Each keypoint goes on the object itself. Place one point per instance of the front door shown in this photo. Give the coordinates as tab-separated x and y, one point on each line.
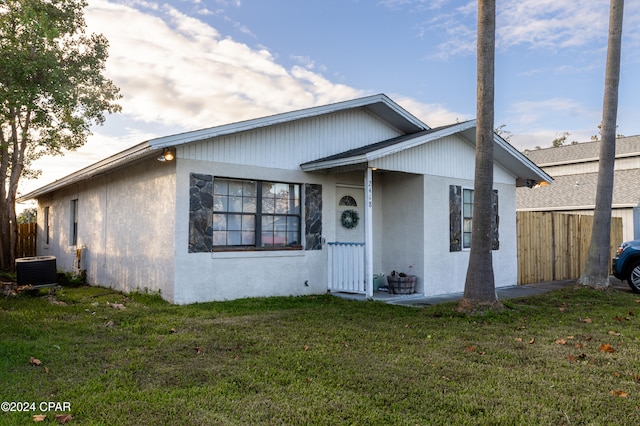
346	255
350	214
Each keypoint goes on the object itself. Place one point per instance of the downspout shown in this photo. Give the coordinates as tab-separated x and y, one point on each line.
368	232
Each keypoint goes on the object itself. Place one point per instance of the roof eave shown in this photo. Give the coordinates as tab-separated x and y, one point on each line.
525	169
131	154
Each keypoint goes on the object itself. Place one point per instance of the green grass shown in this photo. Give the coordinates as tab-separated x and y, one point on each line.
322	360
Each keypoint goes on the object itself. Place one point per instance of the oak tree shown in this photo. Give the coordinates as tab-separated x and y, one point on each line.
52	90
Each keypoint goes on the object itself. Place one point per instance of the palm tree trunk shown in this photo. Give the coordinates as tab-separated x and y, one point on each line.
596	270
479	284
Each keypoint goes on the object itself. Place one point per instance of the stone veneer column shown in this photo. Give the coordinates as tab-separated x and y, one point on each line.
200	213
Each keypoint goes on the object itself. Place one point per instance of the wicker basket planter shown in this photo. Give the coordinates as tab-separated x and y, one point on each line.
399	284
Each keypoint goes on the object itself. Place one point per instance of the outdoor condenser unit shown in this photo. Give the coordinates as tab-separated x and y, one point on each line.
38	271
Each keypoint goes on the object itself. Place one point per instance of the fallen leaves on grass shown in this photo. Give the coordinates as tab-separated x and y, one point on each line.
118	306
606	347
619	393
614	333
472	348
573	358
35	361
63	418
39	417
561	342
587	320
199	350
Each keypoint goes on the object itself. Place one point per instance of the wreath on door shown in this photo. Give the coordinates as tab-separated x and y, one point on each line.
349	219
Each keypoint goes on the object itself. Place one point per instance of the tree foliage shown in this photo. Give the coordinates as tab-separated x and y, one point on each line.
52	90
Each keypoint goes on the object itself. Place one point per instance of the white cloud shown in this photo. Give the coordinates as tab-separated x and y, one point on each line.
540	24
186	74
527	113
177	73
433	115
551	24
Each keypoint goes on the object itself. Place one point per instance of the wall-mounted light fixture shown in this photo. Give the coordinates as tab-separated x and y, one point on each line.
167	155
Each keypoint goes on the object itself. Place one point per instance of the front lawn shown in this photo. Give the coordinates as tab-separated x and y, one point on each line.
568	357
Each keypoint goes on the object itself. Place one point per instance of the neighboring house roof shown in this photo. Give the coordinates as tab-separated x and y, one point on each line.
575	192
582	152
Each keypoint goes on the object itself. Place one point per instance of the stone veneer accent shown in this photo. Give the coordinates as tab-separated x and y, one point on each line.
200	213
313	216
455	218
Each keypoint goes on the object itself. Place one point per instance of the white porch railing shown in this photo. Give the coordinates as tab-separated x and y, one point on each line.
346	267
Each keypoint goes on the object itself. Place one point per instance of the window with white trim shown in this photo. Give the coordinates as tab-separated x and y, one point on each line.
73	228
461	201
253	214
467	217
47	228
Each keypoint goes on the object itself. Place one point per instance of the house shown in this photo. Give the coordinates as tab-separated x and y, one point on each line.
575	172
296	203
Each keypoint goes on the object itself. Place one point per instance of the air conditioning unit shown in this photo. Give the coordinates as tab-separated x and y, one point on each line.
38	271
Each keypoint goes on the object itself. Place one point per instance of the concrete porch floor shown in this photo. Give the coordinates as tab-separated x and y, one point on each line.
511	292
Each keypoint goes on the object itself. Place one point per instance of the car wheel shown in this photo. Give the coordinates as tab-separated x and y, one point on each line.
634	277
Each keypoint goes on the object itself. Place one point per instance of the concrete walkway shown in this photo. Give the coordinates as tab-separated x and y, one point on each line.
503	293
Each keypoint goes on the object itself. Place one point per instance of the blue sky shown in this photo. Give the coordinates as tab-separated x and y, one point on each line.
190	64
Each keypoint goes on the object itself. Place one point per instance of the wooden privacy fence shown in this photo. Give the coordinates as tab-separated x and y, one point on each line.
553	246
26	240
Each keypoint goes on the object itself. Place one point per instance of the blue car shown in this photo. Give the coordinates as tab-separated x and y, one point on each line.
626	264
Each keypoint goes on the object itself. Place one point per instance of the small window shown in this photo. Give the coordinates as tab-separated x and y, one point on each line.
467	215
47	229
348	200
255	214
73	237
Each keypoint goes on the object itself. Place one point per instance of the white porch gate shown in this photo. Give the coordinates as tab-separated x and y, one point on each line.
346	268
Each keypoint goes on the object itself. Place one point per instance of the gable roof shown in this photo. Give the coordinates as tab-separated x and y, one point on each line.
582	152
414	132
379	105
576	192
504	154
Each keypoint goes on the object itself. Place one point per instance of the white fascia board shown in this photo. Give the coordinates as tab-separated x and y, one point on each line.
121	158
521	158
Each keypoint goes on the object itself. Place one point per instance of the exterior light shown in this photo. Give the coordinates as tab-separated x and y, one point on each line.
167	155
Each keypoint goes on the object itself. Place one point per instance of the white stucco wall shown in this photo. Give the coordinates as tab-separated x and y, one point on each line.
402	246
446	271
126	223
231	275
